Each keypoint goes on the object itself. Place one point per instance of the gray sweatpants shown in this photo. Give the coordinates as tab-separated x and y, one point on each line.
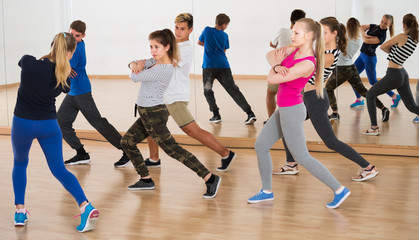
287	122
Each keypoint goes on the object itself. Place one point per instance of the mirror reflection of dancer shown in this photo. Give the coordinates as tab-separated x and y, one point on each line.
35	117
399	49
155	75
373	36
334	37
292	72
347	72
177	97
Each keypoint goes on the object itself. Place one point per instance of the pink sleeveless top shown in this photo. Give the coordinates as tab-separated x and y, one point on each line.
289	93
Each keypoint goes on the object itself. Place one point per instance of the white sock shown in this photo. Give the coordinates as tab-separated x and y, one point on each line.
21	210
267	192
340	190
83	208
152	160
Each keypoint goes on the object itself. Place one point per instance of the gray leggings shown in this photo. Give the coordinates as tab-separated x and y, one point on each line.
287	122
394	79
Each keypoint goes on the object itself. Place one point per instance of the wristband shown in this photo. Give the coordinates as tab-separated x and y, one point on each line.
273	68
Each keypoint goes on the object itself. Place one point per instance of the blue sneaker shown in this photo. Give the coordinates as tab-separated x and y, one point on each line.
357	103
261	197
339	198
88	218
396	101
416	119
21	217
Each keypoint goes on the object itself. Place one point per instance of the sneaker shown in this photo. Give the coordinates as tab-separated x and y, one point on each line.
287	170
416	119
251	118
396	101
212	188
261	197
372	132
122	162
386	114
334	116
339	198
215	119
357	103
151	163
364	174
21	217
78	159
88	218
225	163
141	185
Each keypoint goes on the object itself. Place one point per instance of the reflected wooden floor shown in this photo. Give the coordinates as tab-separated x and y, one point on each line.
385	207
115	100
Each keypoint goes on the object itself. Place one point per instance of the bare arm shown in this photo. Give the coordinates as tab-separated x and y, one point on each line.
272	45
367	38
301	69
275	57
200	43
399	39
328	60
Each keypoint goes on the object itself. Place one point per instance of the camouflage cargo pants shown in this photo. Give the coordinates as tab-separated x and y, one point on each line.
152	122
342	74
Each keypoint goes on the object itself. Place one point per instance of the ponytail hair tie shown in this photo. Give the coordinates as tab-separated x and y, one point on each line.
64	34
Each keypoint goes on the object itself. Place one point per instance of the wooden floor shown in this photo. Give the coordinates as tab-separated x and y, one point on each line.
386	207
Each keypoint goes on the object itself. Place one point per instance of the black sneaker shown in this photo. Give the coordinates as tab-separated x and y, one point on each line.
152	164
251	118
386	114
141	185
78	159
334	116
212	188
215	119
122	162
225	163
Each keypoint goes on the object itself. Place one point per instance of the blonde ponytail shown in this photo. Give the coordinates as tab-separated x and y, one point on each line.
319	54
62	44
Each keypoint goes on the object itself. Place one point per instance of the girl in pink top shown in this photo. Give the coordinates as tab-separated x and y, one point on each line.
292	73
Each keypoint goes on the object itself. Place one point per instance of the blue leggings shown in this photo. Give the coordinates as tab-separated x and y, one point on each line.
368	63
49	136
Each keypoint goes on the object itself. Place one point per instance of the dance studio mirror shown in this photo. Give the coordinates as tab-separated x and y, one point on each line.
117	33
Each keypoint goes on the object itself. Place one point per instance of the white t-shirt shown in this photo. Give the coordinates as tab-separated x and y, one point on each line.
179	87
283	38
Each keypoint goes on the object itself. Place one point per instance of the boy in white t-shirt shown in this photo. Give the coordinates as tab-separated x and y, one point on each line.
176	99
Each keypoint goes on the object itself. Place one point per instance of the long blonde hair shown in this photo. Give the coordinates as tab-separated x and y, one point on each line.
63	43
312	26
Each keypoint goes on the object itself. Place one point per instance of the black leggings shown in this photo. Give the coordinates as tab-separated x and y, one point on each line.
317	110
394	79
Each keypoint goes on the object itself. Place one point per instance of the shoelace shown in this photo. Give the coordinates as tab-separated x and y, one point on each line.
23	210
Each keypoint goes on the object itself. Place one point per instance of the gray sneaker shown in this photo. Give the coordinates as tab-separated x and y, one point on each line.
141	185
212	188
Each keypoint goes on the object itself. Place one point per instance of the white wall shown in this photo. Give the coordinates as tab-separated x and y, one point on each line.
117	30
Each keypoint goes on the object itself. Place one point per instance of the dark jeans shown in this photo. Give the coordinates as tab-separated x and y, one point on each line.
152	122
84	103
350	74
317	110
394	79
224	76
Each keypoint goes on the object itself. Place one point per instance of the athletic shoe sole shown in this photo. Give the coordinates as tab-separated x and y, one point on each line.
81	162
91	221
122	165
258	201
21	224
215	121
371	134
340	202
216	191
142	188
366	178
250	121
287	173
225	169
